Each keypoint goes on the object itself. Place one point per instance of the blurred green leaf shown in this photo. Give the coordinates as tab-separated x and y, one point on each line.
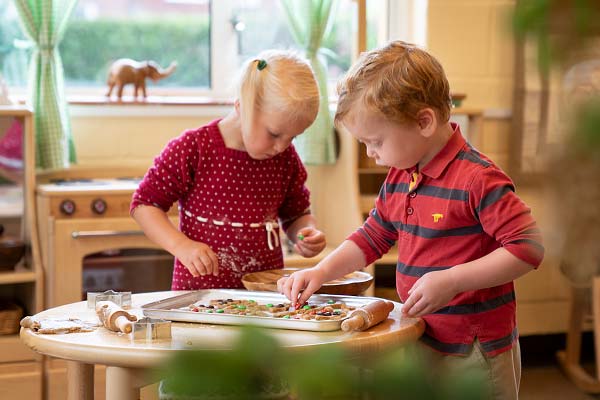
530	16
587	128
258	368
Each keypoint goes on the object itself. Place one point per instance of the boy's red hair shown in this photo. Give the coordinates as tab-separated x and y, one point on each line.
396	81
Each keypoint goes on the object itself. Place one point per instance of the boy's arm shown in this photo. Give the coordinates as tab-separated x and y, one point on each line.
503	216
346	258
495	269
435	289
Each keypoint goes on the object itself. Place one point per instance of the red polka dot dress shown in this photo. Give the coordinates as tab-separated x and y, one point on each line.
227	200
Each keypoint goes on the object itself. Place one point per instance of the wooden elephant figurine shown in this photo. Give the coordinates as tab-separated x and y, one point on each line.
125	71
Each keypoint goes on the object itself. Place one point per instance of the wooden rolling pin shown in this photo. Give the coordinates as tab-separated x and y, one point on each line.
365	317
114	317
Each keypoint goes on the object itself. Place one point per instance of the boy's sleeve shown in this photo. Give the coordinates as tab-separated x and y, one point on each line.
504	216
297	197
377	234
172	174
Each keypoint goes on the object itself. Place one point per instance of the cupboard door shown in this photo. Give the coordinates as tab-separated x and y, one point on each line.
21	381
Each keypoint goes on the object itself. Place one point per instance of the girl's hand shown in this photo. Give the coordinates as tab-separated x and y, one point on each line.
197	257
309	242
300	285
430	293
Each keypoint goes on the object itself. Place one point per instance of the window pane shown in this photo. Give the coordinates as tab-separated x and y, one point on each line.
265	27
14	49
262	24
101	31
377	26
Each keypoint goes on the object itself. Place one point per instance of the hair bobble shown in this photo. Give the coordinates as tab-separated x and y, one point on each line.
262	64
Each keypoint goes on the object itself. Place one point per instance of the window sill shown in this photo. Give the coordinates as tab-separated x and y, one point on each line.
152	106
82	100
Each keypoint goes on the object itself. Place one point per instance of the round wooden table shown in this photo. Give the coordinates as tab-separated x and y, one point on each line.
128	362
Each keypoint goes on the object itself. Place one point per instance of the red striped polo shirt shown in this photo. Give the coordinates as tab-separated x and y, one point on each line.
461	208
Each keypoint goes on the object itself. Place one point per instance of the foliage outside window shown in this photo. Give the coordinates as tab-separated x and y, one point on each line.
195	33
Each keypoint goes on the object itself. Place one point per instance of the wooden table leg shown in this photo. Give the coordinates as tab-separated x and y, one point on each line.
125	383
80	381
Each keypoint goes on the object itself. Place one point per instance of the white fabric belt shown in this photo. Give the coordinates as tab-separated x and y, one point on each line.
270	227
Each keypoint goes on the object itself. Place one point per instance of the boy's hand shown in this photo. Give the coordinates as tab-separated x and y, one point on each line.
429	293
300	285
197	257
309	242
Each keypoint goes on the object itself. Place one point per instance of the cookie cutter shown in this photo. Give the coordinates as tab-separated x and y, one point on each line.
122	299
151	329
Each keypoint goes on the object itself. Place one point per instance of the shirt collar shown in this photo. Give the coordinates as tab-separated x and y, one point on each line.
441	160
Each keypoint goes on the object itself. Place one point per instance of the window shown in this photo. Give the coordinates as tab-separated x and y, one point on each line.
270	28
208	39
14	53
101	31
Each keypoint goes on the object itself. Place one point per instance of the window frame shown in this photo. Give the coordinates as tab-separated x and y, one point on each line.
405	19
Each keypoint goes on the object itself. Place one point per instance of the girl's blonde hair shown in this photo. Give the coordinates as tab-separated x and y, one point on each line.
396	81
278	81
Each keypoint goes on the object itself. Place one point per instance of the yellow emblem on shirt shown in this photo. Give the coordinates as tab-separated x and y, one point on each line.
413	181
437	217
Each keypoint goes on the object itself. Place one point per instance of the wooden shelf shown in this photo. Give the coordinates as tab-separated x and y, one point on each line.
15	111
14	276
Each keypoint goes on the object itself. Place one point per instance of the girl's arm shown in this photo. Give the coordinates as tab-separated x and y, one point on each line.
308	240
197	257
157	226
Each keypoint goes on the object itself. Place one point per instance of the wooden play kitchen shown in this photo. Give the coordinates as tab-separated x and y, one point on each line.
129	360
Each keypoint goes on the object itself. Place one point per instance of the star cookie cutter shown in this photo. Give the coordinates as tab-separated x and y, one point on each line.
122	299
151	329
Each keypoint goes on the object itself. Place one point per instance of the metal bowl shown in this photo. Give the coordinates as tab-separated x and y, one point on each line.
352	284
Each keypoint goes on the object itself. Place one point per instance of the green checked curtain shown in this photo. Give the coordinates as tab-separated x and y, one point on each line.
44	22
309	22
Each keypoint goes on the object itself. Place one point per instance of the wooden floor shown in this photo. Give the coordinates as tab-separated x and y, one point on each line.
549	383
541	378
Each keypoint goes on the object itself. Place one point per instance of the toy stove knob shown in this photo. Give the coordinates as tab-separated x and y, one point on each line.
99	206
67	207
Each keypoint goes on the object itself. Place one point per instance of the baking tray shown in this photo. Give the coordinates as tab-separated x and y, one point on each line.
176	309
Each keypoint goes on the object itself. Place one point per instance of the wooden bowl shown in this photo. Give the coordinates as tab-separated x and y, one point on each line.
11	252
352	284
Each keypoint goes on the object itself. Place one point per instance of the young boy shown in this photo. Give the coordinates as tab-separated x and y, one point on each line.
463	235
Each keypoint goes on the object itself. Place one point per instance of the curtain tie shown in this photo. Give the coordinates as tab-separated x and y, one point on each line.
46	49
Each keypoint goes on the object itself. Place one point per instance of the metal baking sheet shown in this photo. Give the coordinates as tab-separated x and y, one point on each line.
176	309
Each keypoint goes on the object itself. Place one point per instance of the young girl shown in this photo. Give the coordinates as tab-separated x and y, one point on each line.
237	180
